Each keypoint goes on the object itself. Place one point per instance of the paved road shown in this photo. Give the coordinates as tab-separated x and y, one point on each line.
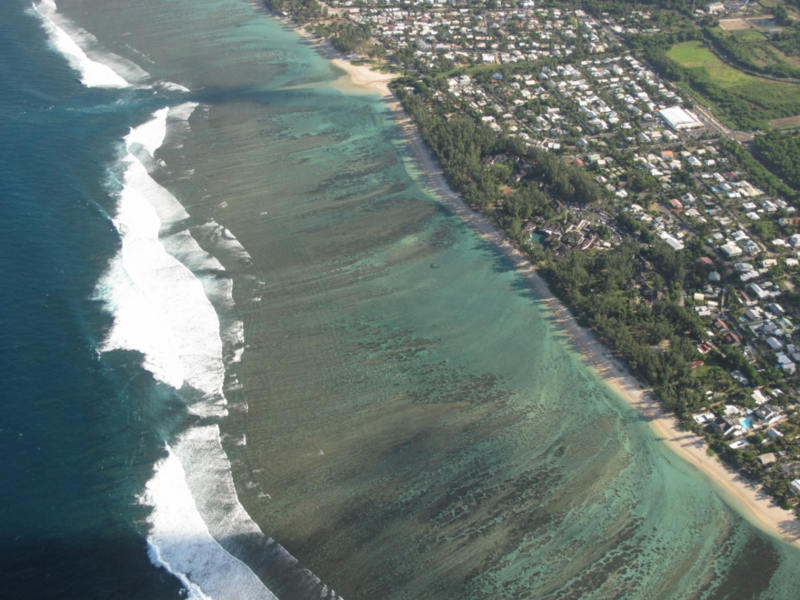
714	124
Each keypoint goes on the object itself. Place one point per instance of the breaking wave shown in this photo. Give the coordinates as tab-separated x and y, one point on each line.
71	42
165	294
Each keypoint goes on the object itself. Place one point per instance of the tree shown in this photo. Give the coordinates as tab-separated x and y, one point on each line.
780	14
640	181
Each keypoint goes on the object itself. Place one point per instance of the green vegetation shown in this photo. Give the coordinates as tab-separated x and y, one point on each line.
465	147
780	152
302	11
346	37
743	36
756	171
621	7
750	50
654	338
788	40
742	100
780	14
696	55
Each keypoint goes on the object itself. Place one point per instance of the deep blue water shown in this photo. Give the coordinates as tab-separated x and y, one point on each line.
77	439
118	330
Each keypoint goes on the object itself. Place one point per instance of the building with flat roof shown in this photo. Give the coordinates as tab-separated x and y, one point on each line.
678	118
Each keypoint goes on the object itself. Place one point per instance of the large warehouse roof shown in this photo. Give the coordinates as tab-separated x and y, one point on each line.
677	118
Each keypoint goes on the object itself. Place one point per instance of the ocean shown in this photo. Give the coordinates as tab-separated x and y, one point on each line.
248	354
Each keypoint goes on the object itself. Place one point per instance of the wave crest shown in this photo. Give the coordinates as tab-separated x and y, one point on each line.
65	37
169	299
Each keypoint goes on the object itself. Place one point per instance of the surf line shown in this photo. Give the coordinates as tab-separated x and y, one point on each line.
161	308
64	37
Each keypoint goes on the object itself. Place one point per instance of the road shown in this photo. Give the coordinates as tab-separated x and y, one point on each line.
714	124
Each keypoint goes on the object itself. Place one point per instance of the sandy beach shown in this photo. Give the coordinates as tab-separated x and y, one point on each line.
748	498
356	78
362	78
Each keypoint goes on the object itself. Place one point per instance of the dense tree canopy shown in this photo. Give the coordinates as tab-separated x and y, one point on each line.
780	152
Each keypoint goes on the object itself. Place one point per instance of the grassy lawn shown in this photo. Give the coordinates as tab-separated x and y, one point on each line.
695	55
703	372
748	36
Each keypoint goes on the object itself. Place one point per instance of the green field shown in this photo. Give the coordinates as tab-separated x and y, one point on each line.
766	98
748	36
695	55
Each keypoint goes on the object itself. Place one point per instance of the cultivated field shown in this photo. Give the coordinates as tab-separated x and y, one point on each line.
786	123
733	24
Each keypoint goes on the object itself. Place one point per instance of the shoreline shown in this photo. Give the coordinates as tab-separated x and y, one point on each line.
356	78
747	498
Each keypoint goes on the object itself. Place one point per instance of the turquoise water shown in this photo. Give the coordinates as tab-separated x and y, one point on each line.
398	411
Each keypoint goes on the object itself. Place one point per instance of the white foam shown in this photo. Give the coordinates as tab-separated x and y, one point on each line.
138	325
151	134
92	72
160	308
158	305
163	310
223	238
183	111
207	473
234	338
179	538
174	87
208	469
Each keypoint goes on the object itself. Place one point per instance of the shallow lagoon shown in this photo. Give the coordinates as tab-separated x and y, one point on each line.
406	420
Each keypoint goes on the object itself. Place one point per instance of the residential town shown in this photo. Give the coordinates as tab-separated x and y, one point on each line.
667	171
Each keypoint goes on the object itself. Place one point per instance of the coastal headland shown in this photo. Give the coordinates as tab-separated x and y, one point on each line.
745	496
